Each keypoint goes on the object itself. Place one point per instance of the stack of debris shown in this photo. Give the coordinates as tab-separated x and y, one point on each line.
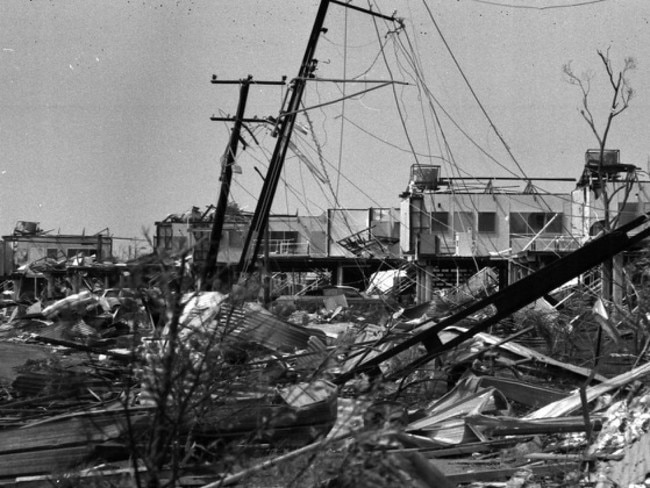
503	388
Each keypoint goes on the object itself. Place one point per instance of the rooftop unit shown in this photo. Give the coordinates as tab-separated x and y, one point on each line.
424	177
610	157
610	170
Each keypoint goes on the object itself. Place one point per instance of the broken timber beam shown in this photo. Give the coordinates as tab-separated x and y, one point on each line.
467	474
514	297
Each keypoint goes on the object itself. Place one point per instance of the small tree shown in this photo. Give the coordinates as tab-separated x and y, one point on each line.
621	94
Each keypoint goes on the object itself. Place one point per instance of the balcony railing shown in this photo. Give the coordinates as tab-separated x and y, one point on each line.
544	244
287	247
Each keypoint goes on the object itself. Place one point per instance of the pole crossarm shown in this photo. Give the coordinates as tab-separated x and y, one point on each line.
353	80
249	80
210	265
284	130
366	11
246	120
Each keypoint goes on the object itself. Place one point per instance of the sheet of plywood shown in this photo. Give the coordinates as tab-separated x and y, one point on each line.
14	355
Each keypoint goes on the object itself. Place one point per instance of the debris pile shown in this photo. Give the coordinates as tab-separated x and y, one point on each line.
183	387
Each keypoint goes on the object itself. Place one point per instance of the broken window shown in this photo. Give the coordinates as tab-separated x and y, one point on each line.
487	222
420	218
463	221
165	238
73	253
440	222
628	211
530	223
235	238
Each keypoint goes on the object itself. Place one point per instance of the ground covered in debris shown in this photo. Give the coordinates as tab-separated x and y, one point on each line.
149	386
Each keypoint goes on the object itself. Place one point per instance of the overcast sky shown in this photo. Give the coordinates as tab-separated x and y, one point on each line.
105	106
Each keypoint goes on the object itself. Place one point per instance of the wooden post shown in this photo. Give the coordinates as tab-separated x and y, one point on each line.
210	265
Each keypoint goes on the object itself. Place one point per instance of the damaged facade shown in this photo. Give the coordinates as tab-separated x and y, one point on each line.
449	223
444	230
518	375
423	396
37	263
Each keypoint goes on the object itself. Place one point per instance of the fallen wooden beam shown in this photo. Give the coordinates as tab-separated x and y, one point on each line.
51	446
74	431
525	393
463	449
574	401
502	426
48	461
470	475
85	348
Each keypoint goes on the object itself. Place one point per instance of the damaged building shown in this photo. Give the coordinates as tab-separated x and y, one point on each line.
451	226
29	254
518	382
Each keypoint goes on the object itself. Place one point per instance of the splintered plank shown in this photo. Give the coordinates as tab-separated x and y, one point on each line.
572	402
525	393
14	355
52	446
469	475
502	426
41	462
68	432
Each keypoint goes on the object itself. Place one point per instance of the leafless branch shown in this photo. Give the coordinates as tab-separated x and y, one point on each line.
584	84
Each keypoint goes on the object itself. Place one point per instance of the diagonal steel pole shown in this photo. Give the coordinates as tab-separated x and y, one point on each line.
515	296
285	128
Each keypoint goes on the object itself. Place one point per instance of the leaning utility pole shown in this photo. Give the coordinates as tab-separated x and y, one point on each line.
226	178
209	269
284	130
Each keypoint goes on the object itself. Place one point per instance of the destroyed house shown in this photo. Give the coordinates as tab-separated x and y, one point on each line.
189	234
289	235
295	235
41	264
363	233
334	241
29	245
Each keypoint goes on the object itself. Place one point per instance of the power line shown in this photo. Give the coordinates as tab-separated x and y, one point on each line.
532	7
384	141
471	89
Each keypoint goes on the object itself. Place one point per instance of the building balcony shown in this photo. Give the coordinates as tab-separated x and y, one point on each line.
550	244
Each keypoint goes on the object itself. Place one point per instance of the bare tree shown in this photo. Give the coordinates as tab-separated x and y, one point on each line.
621	94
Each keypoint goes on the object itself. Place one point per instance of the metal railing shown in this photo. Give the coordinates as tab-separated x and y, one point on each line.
544	244
287	247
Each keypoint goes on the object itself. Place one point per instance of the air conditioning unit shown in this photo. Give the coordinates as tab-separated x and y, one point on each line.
425	176
25	228
610	157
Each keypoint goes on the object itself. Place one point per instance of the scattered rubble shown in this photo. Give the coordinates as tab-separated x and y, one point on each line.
93	387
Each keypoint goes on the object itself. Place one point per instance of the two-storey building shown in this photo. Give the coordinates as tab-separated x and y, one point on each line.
33	260
452	227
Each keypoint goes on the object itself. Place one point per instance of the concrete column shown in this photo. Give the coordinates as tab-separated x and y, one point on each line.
428	283
618	283
419	285
339	275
